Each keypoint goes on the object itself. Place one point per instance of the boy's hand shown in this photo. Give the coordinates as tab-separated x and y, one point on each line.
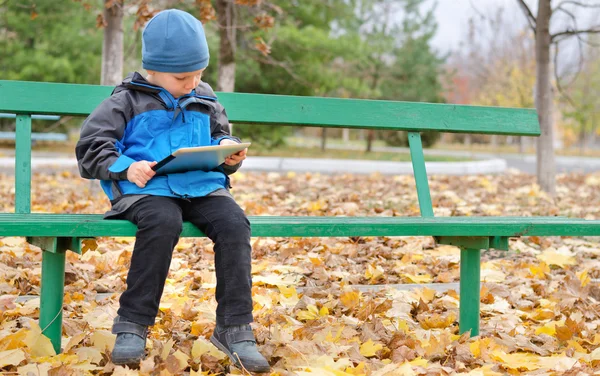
140	172
236	158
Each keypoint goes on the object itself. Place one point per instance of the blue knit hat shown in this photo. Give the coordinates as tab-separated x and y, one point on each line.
174	41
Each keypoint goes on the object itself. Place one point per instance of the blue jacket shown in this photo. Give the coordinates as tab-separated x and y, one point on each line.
140	121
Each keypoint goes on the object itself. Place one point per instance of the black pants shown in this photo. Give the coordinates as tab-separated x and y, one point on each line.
159	220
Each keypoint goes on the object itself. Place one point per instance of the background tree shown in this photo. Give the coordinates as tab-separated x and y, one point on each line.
111	20
48	41
416	73
38	44
581	105
540	24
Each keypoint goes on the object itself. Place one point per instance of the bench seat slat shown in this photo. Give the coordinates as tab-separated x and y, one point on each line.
92	225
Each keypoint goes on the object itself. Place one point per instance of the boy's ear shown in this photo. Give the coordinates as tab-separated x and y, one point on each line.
151	72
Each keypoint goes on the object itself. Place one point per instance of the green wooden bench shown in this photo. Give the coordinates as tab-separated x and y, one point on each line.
57	233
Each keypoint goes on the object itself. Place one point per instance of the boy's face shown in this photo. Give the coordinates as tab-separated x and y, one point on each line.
178	84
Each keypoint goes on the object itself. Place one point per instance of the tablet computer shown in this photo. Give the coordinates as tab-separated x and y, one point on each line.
203	158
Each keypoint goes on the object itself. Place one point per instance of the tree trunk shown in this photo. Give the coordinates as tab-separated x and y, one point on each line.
546	167
112	47
521	144
227	25
370	137
346	135
494	142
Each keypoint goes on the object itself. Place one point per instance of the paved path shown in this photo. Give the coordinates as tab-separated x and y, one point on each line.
325	166
522	162
482	163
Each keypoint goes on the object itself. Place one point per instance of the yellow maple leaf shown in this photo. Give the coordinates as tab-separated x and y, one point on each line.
196	328
558	362
584	277
34	369
89	354
484	371
177	362
11	357
167	347
425	294
288	297
549	328
516	361
316	206
370	348
38	343
374	273
418	362
420	278
13	341
475	348
88	245
312	313
74	341
202	346
539	271
330	338
350	299
554	257
103	339
359	370
437	321
576	346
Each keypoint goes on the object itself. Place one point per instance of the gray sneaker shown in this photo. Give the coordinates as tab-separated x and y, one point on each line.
237	341
130	345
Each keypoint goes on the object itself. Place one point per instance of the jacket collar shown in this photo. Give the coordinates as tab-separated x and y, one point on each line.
135	81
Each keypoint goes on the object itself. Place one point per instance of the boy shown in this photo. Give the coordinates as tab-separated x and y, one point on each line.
143	121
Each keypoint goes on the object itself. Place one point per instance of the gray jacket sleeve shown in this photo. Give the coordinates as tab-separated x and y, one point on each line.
96	149
220	128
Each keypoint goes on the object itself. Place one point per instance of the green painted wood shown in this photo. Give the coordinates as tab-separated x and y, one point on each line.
52	295
92	225
56	244
470	265
464	242
72	99
420	173
23	164
499	243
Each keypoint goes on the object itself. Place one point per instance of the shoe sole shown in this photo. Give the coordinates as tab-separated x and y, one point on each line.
233	359
126	361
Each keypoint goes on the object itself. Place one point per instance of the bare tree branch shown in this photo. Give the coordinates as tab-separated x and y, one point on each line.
531	20
569	33
56	124
476	10
561	91
579	4
269	60
567	12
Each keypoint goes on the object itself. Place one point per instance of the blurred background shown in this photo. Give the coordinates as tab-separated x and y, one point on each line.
447	51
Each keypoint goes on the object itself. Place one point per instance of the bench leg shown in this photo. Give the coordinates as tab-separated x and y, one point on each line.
470	265
52	296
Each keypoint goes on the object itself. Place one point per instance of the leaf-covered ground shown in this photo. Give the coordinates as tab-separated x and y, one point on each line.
539	301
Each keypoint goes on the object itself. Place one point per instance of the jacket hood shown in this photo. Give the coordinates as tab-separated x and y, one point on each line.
135	81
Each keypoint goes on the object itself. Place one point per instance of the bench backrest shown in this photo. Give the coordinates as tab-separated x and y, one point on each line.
32	98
